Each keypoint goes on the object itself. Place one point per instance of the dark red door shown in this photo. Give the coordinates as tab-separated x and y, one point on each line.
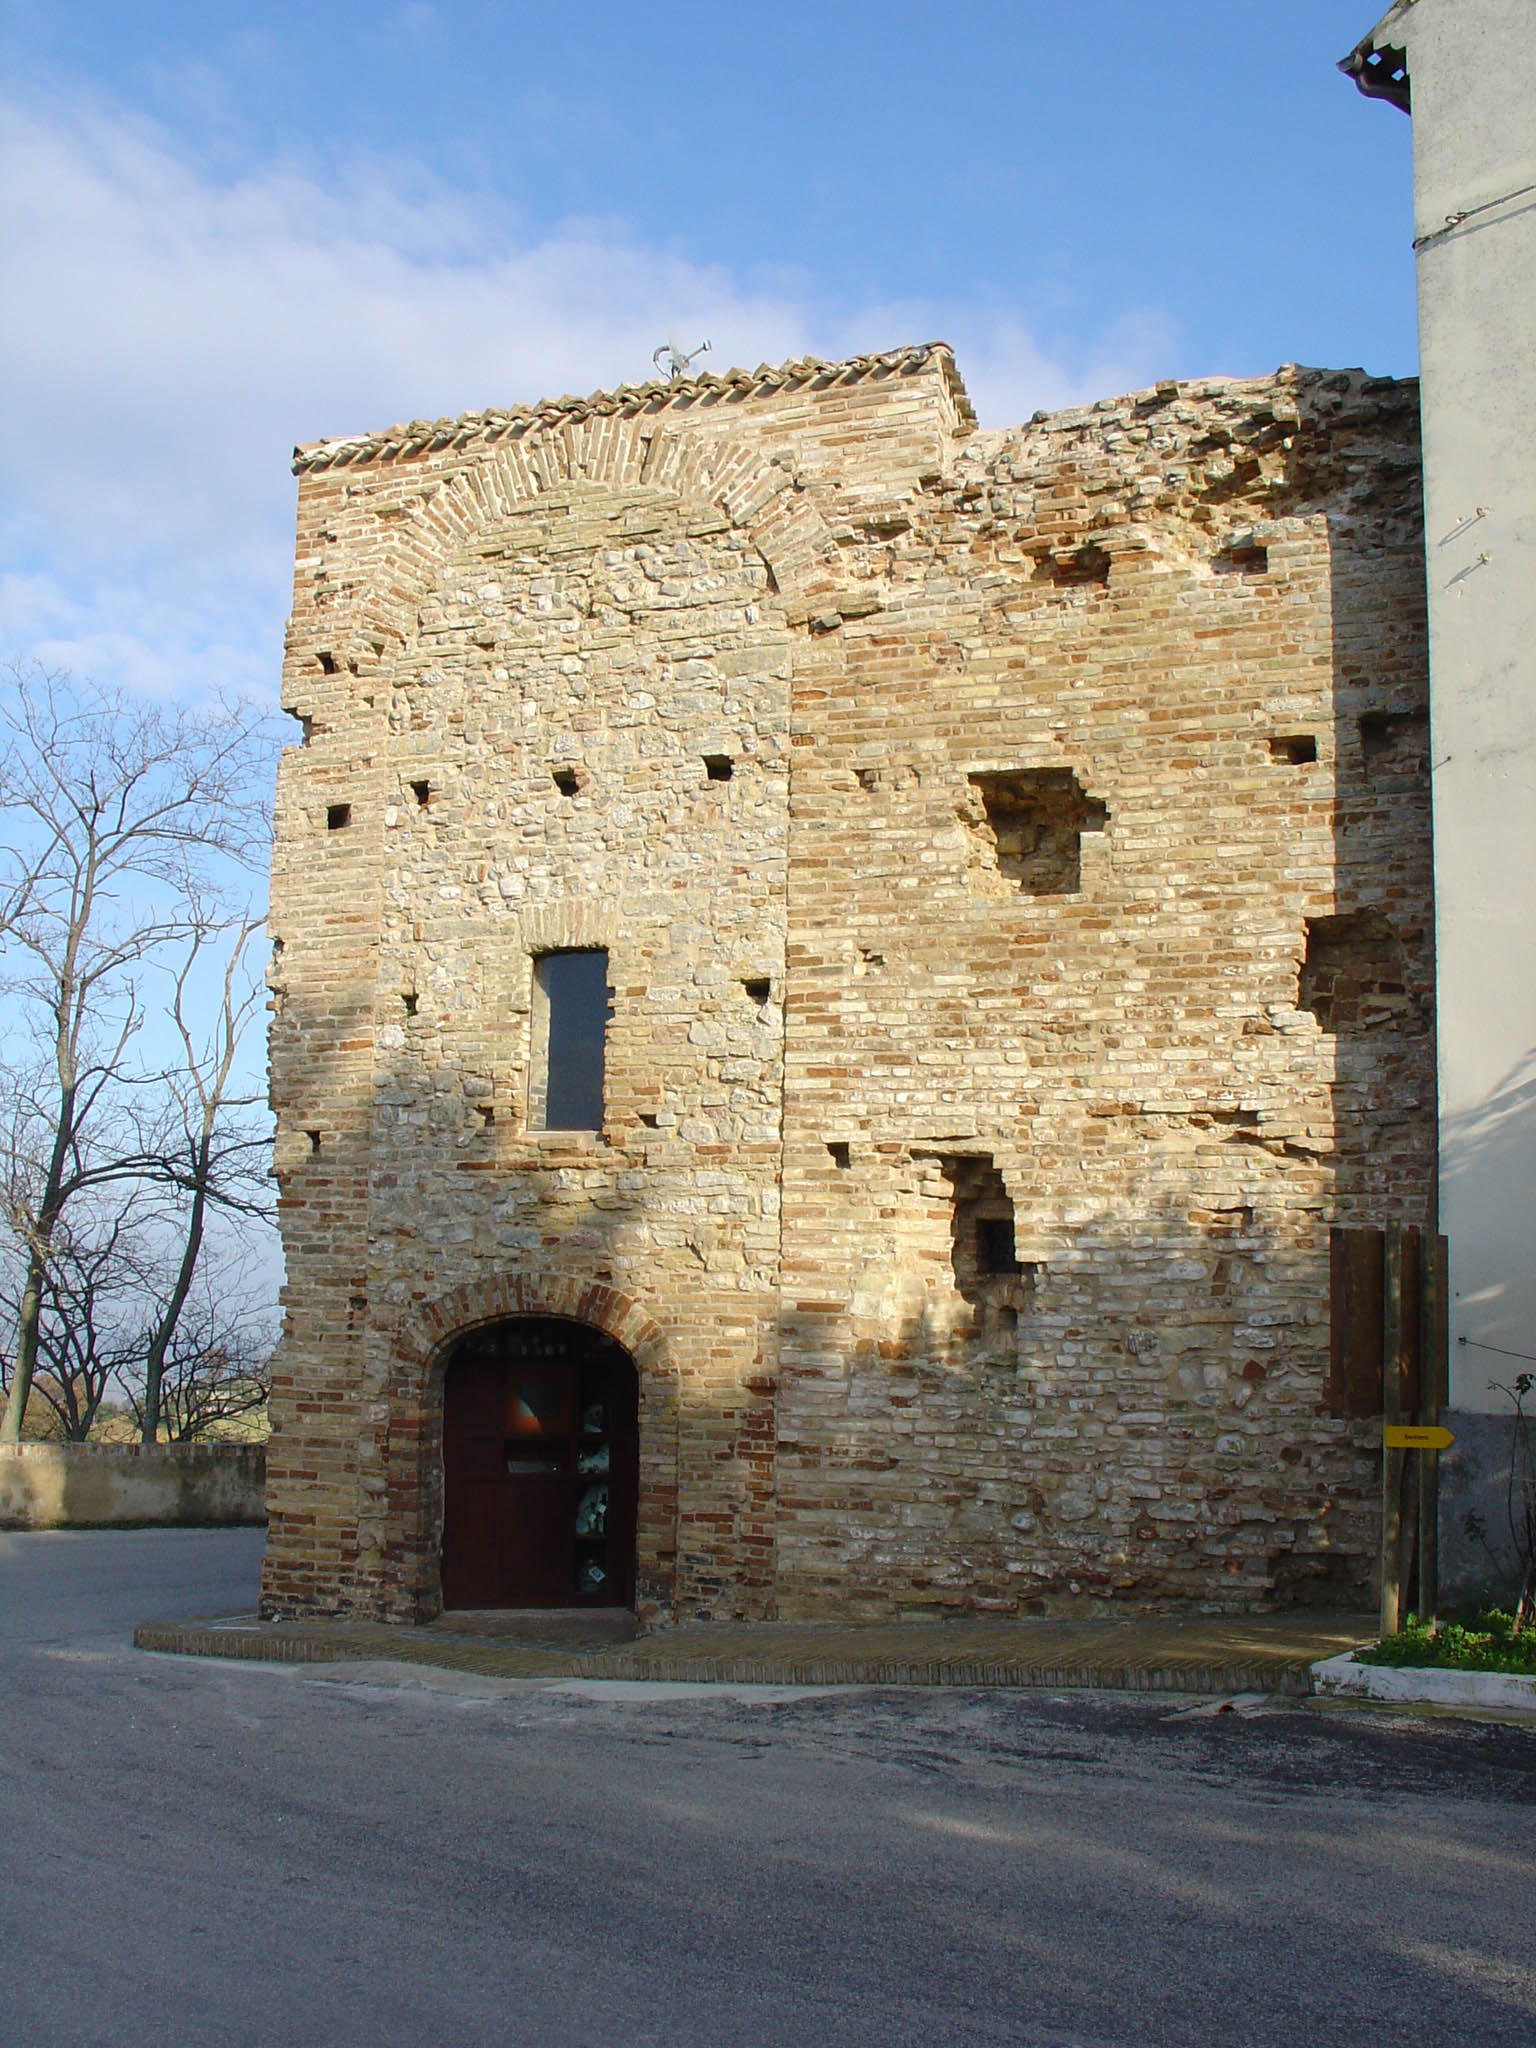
540	1468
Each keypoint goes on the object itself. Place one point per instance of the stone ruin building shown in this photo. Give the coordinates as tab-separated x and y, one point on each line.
831	972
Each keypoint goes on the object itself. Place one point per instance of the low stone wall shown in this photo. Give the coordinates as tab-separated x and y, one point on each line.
101	1486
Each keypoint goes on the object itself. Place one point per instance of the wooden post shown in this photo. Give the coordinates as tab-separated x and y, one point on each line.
1433	1393
1392	1411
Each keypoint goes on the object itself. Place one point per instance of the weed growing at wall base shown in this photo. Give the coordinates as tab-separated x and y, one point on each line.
1490	1641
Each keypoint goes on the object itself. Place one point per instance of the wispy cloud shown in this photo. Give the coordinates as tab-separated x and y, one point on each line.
173	332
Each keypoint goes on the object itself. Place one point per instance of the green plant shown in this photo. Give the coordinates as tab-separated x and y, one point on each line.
1491	1640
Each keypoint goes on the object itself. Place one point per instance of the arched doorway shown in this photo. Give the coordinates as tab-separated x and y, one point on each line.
540	1467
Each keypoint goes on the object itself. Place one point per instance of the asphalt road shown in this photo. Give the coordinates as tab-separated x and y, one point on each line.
208	1852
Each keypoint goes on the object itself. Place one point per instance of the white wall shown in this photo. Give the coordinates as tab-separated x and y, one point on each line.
1472	67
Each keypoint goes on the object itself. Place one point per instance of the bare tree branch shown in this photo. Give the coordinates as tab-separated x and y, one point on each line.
126	828
216	1367
203	1154
86	1338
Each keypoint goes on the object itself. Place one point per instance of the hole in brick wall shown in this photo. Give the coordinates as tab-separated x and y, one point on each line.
1239	1125
409	1000
1035	818
995	1254
649	1118
1242	558
758	988
1234	1222
486	1111
1396	746
566	780
987	1269
337	817
1353	973
842	1154
422	791
868	962
1298	748
896	777
279	946
314	1140
1069	567
327	662
719	767
306	729
1007	1320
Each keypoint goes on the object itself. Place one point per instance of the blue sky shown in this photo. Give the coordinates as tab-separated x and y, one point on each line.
232	227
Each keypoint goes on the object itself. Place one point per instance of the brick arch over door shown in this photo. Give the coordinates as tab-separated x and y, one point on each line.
422	1348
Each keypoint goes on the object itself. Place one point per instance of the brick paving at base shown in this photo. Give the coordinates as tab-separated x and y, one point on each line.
1140	1654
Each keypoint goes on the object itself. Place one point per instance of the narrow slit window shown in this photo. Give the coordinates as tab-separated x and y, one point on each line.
570	1016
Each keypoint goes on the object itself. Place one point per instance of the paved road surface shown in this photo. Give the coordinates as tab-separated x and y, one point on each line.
202	1852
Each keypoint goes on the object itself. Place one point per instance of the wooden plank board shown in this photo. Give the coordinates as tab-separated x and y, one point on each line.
1392	1411
1434	1393
1435	1334
1355	1322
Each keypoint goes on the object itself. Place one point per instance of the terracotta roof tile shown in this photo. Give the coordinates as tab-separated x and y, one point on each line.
422	437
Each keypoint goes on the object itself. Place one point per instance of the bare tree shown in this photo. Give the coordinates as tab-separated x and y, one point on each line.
210	1152
86	1332
216	1367
123	825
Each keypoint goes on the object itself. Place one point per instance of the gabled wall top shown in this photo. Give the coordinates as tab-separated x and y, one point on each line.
803	376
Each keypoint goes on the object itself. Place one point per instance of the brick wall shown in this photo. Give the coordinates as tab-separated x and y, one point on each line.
1077	823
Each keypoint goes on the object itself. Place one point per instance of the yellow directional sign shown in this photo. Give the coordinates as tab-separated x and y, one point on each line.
1414	1436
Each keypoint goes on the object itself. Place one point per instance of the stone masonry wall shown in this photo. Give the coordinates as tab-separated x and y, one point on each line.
1077	824
1185	607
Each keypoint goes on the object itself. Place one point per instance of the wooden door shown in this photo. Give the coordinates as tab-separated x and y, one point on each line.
540	1468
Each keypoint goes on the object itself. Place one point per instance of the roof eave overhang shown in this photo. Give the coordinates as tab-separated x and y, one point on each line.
1379	63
